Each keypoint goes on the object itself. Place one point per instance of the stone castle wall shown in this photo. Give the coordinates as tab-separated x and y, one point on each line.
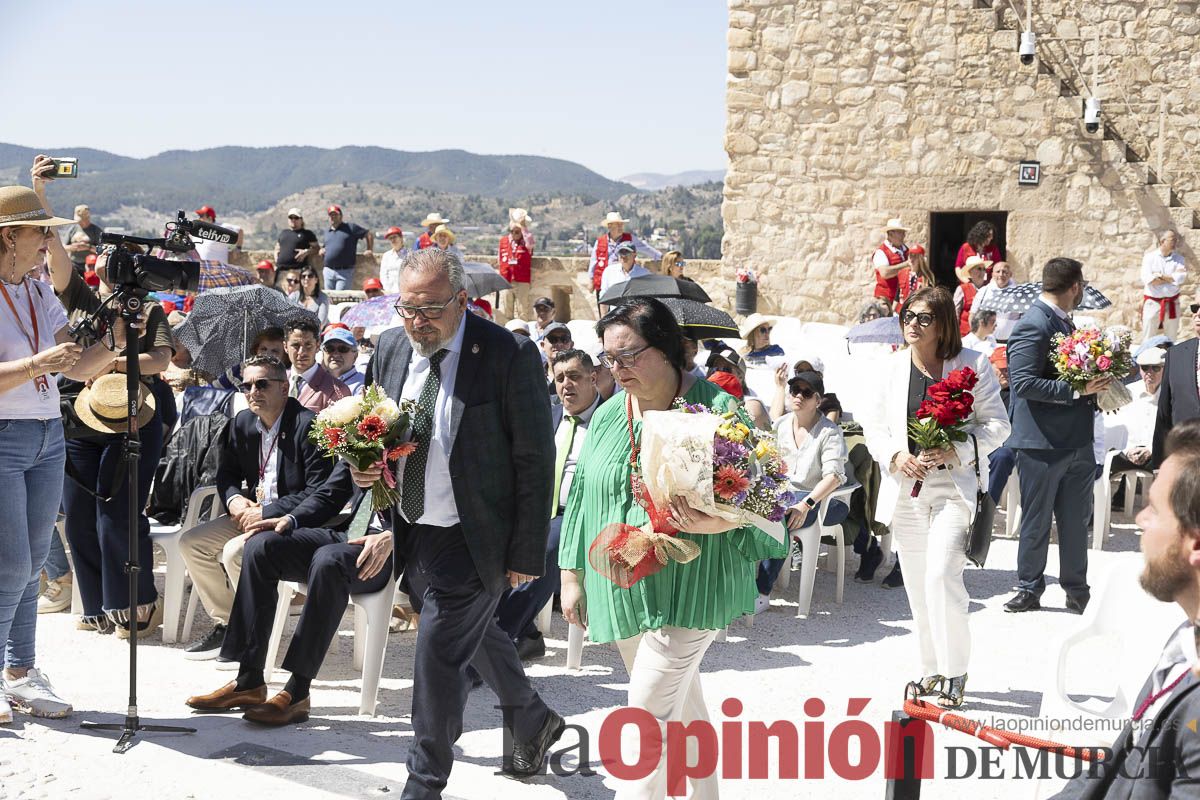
844	113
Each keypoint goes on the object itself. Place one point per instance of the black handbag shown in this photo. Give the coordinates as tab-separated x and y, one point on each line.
980	540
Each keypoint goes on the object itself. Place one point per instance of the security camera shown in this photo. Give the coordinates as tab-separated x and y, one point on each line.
1091	115
1028	48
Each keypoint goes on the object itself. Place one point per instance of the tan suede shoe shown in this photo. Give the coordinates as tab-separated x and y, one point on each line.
279	710
228	698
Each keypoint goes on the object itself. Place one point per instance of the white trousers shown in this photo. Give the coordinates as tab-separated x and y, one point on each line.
664	679
1170	327
931	533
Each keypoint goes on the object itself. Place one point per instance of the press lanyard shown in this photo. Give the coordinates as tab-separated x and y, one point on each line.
1152	699
261	491
41	382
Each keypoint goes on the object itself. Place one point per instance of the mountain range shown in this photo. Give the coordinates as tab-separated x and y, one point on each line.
651	181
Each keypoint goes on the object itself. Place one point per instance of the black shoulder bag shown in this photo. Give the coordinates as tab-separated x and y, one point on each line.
980	540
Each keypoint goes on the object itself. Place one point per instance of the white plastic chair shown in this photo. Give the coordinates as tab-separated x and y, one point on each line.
575	635
372	615
167	537
810	544
1115	439
337	309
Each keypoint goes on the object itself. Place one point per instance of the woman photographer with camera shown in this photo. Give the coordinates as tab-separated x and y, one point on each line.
95	498
34	348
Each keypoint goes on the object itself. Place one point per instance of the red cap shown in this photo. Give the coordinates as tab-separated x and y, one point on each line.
91	278
265	264
333	326
332	209
372	283
728	382
916	250
206	211
90	260
393	231
484	304
999	357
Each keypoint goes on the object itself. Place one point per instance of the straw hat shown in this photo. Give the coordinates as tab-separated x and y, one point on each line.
753	321
434	219
964	272
20	206
612	217
443	229
519	217
894	224
102	406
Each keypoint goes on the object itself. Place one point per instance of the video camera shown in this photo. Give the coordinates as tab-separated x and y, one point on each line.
152	274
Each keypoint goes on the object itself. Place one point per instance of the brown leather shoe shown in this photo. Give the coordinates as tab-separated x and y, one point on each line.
279	710
228	697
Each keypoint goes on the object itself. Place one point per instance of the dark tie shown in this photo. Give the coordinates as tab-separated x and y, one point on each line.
412	502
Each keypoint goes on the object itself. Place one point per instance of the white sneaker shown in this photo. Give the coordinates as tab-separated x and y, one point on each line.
762	603
56	596
34	694
5	711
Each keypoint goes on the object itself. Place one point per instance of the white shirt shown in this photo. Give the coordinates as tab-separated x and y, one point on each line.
985	346
1058	312
268	457
644	250
1177	658
24	401
880	260
440	508
389	270
213	251
614	275
1138	417
1155	264
560	441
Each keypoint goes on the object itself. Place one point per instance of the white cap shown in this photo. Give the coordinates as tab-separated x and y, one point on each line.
517	325
818	364
1151	357
295	212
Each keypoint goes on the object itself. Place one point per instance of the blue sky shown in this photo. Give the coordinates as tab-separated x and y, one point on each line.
619	86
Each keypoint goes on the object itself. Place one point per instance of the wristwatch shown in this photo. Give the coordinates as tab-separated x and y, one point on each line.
808	501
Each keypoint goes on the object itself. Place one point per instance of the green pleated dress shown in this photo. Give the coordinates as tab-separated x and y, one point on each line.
704	594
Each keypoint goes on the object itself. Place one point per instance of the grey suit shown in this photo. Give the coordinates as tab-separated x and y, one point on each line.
501	470
1163	763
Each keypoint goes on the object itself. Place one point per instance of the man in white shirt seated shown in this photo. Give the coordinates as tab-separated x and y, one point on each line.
629	268
982	337
575	385
1138	418
341	354
1163	272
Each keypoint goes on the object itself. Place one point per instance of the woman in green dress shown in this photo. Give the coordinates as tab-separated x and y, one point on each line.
665	622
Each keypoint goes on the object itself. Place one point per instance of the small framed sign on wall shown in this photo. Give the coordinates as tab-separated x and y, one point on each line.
1029	173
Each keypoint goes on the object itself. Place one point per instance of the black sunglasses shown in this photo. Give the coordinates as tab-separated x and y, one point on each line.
558	339
293	280
803	391
262	384
336	348
924	319
1195	307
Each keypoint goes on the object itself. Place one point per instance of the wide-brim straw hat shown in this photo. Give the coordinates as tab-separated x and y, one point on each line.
440	229
102	405
19	205
753	321
614	217
519	216
894	224
434	219
964	272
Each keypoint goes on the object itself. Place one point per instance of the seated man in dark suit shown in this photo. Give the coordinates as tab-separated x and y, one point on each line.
1157	754
267	468
575	384
353	557
1179	394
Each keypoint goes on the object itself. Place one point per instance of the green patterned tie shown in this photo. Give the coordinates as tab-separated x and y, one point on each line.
412	502
362	518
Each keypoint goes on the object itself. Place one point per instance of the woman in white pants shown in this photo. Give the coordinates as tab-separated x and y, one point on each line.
932	529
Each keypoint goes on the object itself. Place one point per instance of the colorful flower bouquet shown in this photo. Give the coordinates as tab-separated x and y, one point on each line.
367	431
717	464
1089	353
746	275
941	418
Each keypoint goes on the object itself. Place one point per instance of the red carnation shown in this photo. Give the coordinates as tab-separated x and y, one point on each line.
401	450
372	427
334	437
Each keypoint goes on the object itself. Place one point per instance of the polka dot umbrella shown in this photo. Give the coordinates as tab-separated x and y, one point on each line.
1018	299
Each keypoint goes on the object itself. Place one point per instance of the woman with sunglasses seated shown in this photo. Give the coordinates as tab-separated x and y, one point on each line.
664	623
814	450
310	295
756	330
932	528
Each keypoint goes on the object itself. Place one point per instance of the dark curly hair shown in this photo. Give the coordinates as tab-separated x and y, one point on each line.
979	234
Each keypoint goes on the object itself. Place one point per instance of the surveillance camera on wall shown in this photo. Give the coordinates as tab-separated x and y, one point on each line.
1028	48
1091	115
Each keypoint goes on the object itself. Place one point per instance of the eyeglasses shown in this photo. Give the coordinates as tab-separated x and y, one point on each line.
624	360
764	329
308	277
558	339
262	384
337	348
802	391
924	319
1152	368
293	280
428	312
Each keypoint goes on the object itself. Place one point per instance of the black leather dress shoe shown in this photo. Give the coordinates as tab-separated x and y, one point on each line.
531	647
1077	604
1023	601
527	757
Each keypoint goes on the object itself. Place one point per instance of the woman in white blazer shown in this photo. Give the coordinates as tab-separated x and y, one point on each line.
932	529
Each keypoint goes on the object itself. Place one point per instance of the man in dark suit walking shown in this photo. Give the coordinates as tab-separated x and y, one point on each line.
1052	435
1157	755
1178	394
474	511
267	469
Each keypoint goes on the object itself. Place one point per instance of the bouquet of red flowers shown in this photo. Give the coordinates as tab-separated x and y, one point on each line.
940	419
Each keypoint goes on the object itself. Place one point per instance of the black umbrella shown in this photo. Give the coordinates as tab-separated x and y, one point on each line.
655	286
700	321
480	279
1018	299
224	321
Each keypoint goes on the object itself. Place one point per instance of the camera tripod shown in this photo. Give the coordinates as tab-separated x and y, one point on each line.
130	303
